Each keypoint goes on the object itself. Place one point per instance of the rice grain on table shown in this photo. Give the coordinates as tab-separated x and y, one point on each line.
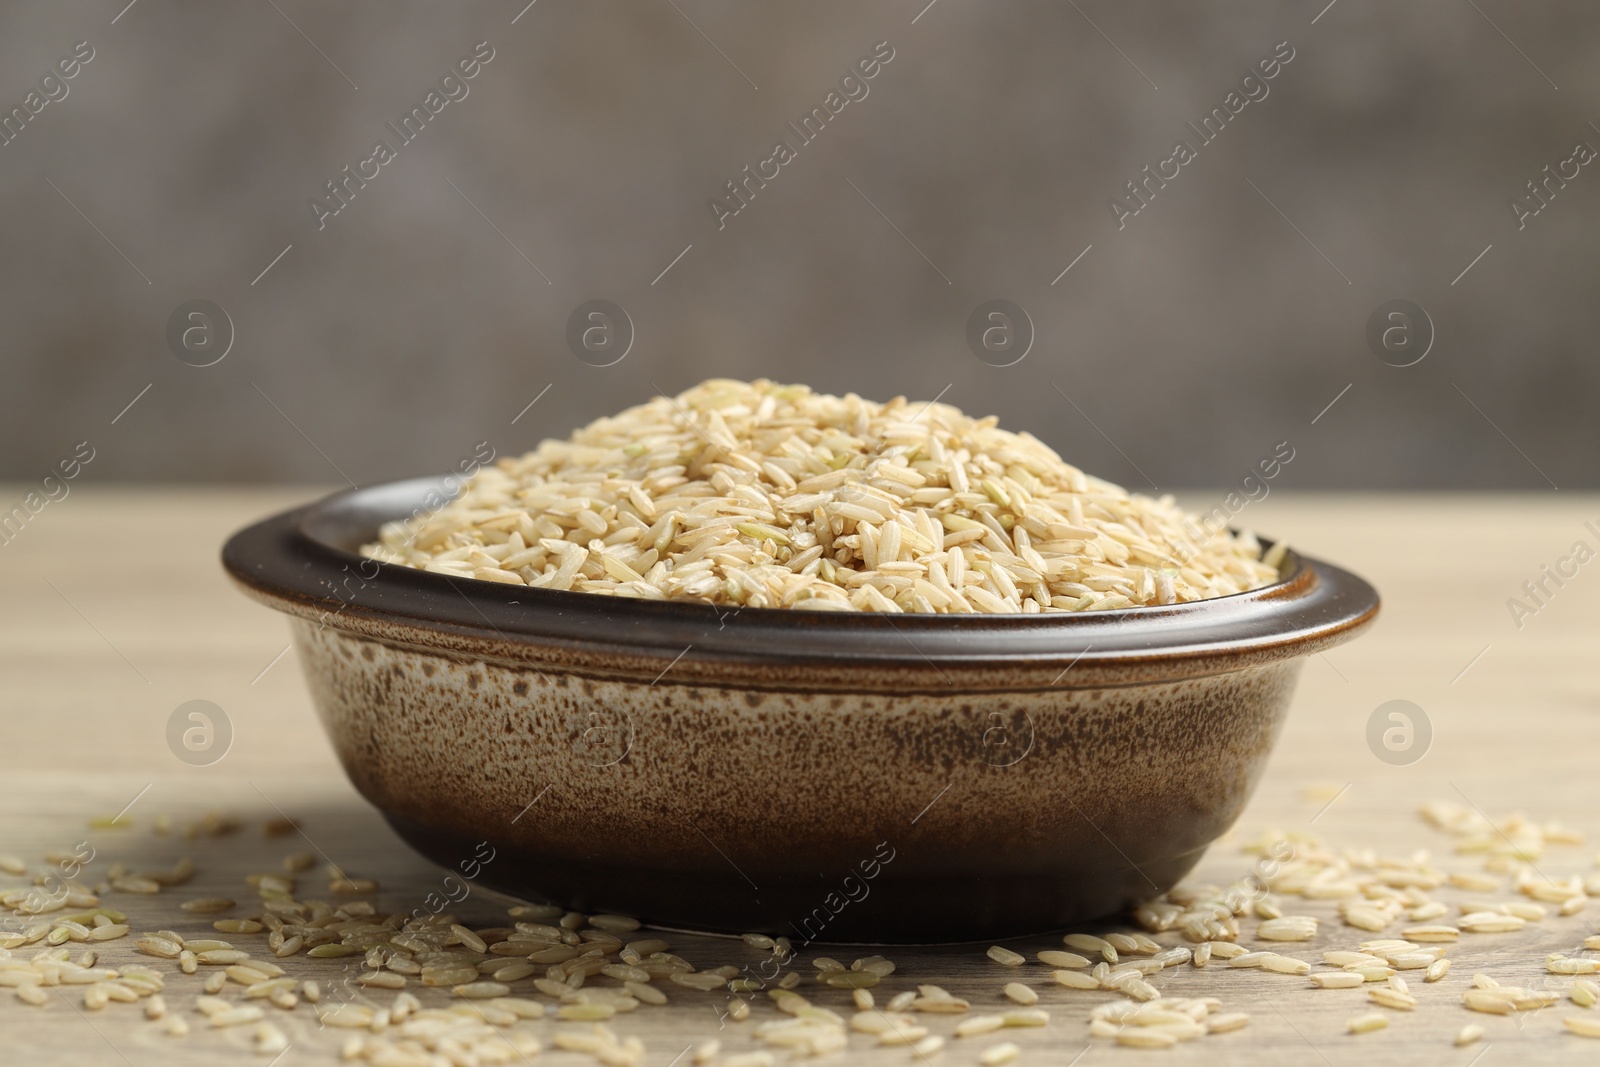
1022	994
1227	1022
1075	979
475	965
1337	980
1368	1022
1005	956
994	1055
1126	943
765	495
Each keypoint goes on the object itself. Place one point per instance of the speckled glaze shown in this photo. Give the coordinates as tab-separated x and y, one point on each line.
832	778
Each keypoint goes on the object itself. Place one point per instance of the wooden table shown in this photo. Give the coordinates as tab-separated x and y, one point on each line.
117	612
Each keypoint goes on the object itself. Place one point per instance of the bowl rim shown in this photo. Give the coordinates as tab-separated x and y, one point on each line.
302	561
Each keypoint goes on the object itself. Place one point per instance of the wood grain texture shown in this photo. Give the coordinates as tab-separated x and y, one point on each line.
117	612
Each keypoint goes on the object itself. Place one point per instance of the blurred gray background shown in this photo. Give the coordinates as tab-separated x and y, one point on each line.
423	318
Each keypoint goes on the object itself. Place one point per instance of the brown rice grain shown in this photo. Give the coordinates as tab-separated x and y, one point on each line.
1367	1022
1021	993
995	1055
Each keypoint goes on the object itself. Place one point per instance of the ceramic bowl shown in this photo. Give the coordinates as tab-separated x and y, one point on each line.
848	777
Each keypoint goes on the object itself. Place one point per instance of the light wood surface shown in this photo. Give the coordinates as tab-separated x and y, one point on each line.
117	612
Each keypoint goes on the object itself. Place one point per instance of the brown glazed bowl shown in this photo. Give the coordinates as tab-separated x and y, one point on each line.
846	777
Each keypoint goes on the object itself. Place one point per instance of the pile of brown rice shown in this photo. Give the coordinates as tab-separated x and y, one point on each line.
765	495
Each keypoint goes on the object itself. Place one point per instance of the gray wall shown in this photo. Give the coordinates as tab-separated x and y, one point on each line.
1218	322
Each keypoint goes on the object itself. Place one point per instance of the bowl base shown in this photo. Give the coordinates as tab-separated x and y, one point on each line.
904	910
